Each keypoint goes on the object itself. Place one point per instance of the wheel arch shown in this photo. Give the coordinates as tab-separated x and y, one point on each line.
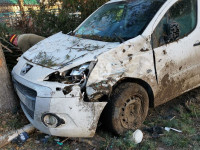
143	83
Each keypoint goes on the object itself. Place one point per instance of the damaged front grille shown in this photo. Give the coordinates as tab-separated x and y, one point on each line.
28	111
27	97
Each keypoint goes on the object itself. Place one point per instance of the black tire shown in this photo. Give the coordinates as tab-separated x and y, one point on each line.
128	107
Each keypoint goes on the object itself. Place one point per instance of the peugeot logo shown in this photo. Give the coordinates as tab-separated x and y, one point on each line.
26	69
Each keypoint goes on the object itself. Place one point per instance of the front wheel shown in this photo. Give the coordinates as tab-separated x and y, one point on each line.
129	106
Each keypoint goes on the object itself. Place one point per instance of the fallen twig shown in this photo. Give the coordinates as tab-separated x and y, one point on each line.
9	43
172	118
6	48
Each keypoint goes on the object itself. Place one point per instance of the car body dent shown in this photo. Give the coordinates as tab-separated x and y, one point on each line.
80	117
133	59
60	50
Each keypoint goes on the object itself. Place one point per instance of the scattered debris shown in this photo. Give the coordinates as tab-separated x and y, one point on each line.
21	139
156	131
45	139
168	129
137	136
45	60
61	143
6	139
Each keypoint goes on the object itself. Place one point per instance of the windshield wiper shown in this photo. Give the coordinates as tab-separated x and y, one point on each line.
120	39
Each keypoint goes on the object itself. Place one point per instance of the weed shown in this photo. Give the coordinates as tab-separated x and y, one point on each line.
66	147
195	110
175	139
14	123
118	142
148	145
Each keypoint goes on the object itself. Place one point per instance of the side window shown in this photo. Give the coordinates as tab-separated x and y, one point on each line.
178	22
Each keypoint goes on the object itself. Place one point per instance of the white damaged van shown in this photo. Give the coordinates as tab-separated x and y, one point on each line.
128	56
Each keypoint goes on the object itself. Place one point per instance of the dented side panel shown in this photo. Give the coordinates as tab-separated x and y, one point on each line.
177	64
132	59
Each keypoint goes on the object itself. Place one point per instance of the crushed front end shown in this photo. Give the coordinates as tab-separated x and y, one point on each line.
54	103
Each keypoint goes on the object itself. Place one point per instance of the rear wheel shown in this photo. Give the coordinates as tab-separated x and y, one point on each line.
128	107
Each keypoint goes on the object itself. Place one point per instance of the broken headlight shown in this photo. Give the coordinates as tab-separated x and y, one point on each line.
75	75
79	73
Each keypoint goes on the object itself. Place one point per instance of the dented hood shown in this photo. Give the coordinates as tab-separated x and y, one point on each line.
61	50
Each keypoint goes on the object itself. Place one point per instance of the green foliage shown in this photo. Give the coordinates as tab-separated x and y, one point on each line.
122	142
175	139
66	147
148	145
45	60
3	30
46	23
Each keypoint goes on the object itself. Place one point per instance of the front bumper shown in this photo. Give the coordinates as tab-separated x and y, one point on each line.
80	117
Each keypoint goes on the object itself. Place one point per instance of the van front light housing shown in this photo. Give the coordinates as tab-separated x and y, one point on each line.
52	120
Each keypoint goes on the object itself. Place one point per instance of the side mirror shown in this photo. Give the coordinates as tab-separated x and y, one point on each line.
172	32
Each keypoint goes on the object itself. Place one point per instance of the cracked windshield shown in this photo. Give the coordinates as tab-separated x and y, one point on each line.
119	21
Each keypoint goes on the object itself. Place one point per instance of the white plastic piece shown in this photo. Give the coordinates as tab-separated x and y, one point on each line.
168	129
137	136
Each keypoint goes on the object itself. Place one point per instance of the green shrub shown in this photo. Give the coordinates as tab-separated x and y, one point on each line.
46	23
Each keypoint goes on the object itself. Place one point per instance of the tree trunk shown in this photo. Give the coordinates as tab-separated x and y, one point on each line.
21	6
7	95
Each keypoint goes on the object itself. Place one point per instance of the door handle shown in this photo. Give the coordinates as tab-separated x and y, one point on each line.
197	44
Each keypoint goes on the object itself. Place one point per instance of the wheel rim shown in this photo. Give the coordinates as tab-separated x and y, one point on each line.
131	113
